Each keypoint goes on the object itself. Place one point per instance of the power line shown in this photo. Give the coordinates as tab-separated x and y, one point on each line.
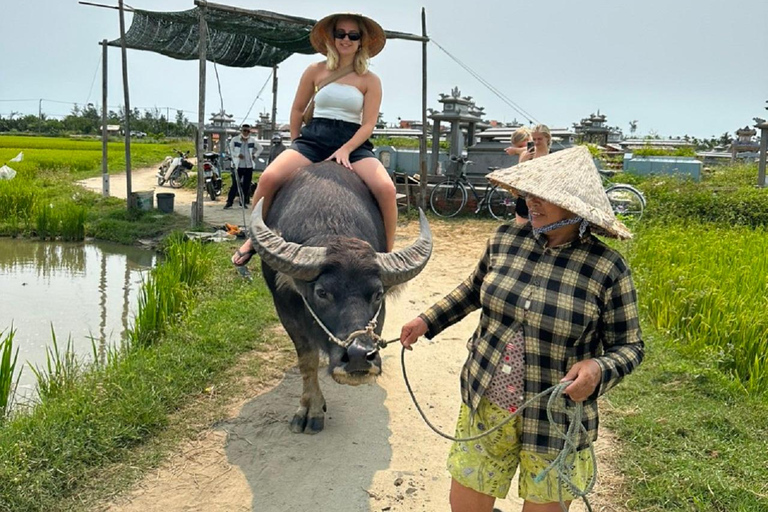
487	84
257	97
93	80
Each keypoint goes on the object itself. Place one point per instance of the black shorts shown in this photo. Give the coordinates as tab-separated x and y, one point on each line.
321	137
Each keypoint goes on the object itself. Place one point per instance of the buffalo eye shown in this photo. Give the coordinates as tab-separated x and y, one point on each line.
378	296
321	294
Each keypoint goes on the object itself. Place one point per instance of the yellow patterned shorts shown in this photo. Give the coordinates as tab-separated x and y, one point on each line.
489	464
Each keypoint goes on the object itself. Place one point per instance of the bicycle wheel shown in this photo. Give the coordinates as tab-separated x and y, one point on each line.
627	202
501	204
448	198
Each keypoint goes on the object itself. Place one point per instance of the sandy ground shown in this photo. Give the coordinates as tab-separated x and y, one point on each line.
376	453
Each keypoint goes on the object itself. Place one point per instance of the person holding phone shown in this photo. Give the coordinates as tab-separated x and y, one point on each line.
518	141
538	146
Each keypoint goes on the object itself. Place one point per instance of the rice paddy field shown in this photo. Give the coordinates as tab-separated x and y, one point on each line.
43	201
79	158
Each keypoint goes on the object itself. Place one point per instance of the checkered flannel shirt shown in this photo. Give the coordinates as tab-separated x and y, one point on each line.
573	302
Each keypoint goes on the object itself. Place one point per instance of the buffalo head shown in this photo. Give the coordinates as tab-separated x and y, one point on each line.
343	283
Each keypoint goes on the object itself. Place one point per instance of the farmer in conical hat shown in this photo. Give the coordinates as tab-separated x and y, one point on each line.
557	305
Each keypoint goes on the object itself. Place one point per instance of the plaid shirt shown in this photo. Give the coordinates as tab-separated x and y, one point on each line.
573	302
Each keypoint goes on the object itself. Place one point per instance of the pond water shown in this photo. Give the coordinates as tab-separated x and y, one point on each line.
86	292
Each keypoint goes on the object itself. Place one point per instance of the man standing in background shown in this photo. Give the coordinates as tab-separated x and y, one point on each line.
244	150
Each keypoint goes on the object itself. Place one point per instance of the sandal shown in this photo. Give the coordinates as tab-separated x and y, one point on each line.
247	255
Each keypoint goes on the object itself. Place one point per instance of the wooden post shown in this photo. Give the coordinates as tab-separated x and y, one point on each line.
197	216
274	99
763	150
104	169
127	100
423	141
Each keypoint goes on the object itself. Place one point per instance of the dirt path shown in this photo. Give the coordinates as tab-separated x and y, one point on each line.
145	180
375	454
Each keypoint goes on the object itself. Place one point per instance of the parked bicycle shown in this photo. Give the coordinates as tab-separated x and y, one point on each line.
627	201
449	196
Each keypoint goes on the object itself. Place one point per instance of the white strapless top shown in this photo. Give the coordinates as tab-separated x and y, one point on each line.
339	101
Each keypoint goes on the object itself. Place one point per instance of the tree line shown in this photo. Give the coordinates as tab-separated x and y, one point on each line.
86	120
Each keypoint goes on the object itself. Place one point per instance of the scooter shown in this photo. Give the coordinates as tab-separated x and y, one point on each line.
174	170
213	181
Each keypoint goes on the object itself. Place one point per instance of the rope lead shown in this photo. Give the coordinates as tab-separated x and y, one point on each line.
561	464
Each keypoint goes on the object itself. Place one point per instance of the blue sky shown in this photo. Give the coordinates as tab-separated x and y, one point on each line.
677	66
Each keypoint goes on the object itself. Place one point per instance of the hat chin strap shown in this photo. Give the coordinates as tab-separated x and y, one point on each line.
583	225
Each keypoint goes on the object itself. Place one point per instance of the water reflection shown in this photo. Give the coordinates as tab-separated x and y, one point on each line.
87	291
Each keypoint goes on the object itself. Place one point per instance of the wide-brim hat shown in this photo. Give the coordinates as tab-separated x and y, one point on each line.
374	38
570	180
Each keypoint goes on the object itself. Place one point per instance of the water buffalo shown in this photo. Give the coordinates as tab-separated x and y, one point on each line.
323	260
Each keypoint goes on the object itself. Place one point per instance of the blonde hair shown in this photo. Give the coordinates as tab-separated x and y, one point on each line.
520	135
362	58
544	130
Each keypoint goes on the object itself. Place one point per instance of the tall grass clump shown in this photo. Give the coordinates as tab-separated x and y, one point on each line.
707	287
8	360
72	225
164	294
61	371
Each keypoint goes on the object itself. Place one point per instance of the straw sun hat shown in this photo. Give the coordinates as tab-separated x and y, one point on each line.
374	38
568	179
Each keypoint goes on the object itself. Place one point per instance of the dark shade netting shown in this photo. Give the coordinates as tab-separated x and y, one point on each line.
244	39
235	40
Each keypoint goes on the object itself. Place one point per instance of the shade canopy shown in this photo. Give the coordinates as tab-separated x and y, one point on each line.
236	37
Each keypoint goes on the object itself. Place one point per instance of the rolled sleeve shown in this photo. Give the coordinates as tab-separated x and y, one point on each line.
622	340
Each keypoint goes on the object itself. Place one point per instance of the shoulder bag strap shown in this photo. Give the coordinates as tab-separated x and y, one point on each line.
310	109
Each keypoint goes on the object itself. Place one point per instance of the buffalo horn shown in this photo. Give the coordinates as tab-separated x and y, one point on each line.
405	264
292	259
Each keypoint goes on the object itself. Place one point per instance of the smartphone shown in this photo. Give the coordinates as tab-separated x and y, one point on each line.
530	146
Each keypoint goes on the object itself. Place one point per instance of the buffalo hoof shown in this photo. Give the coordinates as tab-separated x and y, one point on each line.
301	423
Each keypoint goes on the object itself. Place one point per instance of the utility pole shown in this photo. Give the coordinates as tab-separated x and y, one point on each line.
274	99
104	83
124	53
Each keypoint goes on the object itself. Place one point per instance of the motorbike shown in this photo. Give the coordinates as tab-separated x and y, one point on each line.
174	170
212	175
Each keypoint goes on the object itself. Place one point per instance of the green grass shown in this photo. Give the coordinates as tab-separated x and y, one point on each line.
165	293
690	440
8	384
68	453
43	201
80	158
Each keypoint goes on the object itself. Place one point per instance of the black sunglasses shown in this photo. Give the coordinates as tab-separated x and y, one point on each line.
353	36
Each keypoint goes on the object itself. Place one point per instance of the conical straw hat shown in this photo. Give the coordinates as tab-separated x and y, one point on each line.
570	180
374	38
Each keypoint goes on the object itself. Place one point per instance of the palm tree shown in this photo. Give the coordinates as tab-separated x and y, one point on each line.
633	126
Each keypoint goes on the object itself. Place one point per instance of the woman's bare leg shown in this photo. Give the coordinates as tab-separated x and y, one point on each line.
380	184
270	181
529	506
464	499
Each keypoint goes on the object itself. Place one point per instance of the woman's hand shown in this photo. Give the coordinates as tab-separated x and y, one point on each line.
586	376
411	331
341	155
